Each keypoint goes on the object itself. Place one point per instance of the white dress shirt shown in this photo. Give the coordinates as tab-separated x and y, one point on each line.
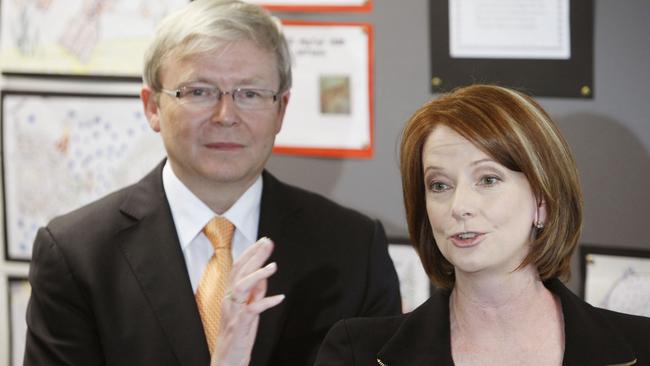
190	215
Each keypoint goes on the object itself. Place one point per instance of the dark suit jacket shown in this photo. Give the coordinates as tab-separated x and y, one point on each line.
110	285
593	336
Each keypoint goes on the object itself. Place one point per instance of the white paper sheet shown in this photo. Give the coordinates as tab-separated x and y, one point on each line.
528	29
414	282
618	283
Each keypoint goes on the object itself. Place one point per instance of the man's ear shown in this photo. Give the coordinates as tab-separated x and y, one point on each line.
284	101
150	105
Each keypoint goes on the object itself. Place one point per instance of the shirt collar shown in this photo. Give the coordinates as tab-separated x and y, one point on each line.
190	214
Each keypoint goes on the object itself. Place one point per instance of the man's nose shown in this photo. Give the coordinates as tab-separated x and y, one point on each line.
225	110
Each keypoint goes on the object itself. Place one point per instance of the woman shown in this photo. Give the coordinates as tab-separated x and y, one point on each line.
494	210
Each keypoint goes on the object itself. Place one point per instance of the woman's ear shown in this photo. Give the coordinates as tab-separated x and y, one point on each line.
540	214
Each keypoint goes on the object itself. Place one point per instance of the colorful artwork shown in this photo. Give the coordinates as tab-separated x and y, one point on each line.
61	152
79	37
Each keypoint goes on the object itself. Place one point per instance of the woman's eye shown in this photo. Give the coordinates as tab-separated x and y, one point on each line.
489	180
437	186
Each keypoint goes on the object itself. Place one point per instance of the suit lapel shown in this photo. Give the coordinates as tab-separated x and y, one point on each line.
151	247
277	213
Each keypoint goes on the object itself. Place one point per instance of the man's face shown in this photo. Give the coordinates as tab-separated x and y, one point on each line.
224	144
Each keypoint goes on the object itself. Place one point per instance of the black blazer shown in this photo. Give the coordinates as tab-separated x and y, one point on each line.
593	336
110	285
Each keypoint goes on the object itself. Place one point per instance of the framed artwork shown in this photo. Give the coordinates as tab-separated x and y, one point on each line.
415	286
61	151
330	113
84	38
316	5
18	291
545	48
616	278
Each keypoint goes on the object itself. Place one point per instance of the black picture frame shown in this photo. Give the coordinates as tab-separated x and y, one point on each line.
571	78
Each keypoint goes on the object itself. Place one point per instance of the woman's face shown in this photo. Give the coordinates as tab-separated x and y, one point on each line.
481	213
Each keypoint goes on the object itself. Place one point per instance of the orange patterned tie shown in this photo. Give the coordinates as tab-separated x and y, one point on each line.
215	277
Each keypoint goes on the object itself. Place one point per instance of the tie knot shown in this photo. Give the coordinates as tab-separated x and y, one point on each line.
219	231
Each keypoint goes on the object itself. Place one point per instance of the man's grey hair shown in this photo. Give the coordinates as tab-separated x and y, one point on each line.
205	25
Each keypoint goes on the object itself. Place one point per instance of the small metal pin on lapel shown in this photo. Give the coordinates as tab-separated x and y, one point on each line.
629	363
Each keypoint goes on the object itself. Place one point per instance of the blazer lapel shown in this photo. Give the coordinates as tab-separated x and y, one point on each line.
277	213
423	338
151	247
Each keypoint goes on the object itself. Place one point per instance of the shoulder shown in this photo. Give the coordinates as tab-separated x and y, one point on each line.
94	218
635	329
600	332
311	203
133	201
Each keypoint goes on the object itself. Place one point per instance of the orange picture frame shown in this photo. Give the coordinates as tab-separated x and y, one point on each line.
365	152
320	6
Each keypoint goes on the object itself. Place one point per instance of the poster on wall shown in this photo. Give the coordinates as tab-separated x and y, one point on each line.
414	284
18	294
78	37
316	5
330	108
543	47
61	151
617	278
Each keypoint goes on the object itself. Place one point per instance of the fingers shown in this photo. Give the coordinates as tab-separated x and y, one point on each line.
265	303
252	258
253	286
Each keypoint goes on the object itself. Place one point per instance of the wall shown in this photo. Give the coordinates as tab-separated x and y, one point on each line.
610	134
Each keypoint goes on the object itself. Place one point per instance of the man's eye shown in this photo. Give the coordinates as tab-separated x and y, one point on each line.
198	92
249	94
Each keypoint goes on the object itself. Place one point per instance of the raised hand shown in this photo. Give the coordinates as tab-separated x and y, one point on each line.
244	302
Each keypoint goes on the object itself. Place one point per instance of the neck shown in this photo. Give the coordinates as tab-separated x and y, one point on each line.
218	195
499	302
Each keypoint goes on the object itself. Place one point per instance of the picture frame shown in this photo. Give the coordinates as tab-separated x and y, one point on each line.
18	292
63	150
316	6
571	77
415	286
330	113
616	278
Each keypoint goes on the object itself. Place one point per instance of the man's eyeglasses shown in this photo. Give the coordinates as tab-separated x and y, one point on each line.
203	97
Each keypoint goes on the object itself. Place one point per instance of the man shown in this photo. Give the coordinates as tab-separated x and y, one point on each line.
116	282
